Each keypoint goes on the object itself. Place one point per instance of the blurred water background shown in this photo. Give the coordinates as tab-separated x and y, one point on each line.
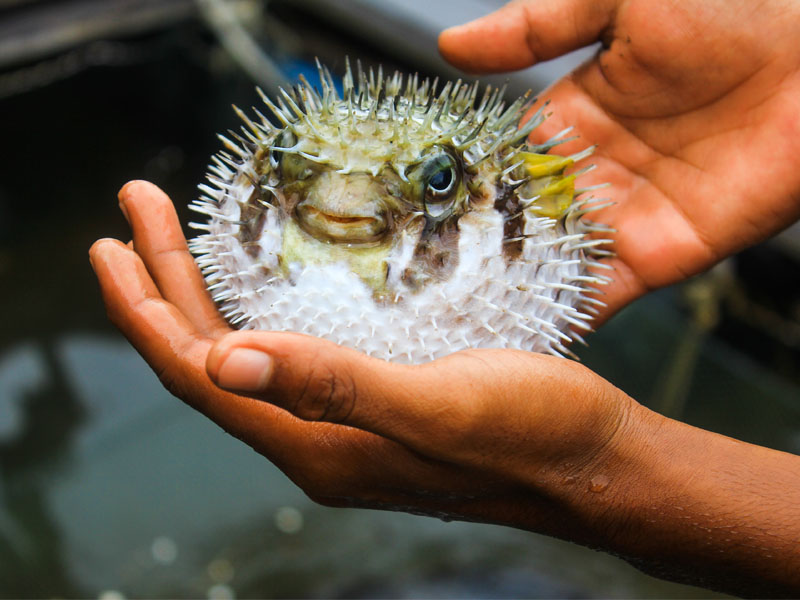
110	487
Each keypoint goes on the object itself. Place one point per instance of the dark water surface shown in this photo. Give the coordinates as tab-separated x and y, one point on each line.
109	486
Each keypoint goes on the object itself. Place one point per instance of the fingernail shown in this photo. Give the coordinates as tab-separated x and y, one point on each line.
245	370
95	249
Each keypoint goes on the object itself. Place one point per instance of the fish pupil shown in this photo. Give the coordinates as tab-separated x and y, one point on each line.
441	180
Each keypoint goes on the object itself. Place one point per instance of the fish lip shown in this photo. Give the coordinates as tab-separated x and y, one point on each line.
343	228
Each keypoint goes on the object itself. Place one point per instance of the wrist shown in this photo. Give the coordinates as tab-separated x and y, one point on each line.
687	504
595	486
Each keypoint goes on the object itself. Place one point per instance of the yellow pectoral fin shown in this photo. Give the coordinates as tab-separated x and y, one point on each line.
544	165
555	195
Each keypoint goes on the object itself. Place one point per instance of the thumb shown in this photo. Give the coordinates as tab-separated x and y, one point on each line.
525	32
317	380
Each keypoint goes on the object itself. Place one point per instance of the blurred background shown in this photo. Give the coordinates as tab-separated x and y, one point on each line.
110	487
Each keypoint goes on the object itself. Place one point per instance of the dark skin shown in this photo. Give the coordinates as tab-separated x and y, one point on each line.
694	105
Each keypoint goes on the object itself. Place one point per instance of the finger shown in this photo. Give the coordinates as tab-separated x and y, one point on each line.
524	33
172	346
476	409
160	332
429	408
326	460
156	328
158	239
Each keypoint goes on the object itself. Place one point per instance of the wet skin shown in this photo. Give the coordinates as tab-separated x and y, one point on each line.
497	436
694	105
694	109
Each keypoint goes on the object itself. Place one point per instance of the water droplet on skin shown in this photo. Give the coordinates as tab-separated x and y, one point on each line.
569	480
598	483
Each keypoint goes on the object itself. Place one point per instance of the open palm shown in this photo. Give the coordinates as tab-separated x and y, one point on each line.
694	106
696	118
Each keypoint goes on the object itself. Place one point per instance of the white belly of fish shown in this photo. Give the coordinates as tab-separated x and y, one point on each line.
401	221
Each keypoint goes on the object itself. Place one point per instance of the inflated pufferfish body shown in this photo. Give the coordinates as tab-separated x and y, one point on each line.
398	220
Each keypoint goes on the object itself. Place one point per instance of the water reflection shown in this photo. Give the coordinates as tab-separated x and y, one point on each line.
110	487
41	417
144	497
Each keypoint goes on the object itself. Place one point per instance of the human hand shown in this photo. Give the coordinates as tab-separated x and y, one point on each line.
498	436
693	105
472	436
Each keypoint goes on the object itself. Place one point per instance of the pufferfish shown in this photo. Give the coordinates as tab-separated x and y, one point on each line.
402	219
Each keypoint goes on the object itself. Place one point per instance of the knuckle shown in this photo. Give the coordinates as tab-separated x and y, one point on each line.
167	376
327	394
177	372
118	315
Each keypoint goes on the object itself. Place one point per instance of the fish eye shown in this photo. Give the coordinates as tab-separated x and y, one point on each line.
440	177
441	182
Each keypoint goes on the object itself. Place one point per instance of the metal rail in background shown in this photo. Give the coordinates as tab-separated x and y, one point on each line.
220	16
43	42
410	28
32	30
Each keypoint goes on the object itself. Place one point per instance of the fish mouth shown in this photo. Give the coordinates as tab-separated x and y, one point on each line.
342	228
